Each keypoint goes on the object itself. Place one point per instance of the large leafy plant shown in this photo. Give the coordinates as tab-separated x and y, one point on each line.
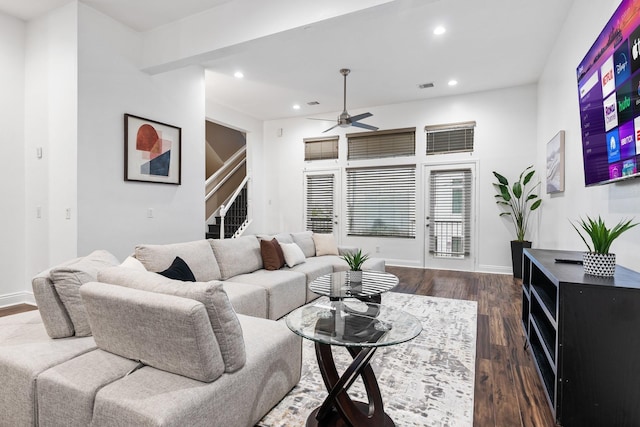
355	259
601	236
518	200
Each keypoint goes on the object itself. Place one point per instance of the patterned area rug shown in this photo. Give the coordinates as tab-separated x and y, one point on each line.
425	382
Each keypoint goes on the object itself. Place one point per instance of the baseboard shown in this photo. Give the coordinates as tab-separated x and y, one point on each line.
496	269
16	298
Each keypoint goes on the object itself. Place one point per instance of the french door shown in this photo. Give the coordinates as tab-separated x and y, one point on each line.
321	211
450	207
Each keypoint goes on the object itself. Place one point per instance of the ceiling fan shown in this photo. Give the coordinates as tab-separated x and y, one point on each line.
344	119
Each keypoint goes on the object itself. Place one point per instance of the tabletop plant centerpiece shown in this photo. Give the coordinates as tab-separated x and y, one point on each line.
355	260
598	261
518	201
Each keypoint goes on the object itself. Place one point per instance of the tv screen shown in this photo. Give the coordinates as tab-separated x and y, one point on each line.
609	97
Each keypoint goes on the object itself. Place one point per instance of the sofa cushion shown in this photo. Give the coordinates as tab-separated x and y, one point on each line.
67	280
304	239
221	314
66	392
164	331
270	256
250	300
197	254
149	397
237	256
54	316
25	352
292	254
178	270
285	289
325	244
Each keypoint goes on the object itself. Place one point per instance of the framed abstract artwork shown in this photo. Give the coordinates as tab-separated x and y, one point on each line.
555	163
152	151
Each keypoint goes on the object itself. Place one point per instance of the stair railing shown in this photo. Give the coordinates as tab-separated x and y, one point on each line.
227	173
239	213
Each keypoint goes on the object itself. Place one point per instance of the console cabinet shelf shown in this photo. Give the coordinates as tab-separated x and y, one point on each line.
584	335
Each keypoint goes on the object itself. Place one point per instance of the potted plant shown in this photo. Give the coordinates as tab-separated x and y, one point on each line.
518	201
598	261
355	261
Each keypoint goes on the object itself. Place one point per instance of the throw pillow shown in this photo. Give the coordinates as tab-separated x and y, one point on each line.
179	270
325	244
276	244
197	254
293	255
270	257
134	263
305	241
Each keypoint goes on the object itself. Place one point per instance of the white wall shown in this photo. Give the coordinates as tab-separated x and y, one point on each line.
505	140
12	168
113	213
558	109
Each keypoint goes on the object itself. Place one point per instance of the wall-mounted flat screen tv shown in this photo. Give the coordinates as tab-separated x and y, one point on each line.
609	97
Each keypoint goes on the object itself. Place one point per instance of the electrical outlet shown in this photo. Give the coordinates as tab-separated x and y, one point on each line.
38	212
150	213
68	213
39	152
377	249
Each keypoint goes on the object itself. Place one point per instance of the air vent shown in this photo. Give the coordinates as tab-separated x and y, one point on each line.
425	85
313	103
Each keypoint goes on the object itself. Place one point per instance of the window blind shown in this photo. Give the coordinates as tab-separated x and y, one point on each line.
450	138
320	201
450	213
380	144
321	148
382	201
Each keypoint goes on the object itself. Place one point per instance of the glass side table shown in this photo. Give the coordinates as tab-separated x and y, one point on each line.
362	328
342	284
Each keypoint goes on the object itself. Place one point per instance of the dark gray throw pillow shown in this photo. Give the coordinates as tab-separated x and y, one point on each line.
179	270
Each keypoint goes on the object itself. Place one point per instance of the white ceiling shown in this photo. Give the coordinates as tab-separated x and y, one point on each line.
390	49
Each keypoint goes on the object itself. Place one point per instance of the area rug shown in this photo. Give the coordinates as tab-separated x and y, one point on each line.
428	381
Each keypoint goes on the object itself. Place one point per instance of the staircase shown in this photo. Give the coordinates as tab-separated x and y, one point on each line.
232	218
227	199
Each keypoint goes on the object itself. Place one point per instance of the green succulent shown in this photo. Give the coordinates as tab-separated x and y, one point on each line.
355	259
601	236
518	200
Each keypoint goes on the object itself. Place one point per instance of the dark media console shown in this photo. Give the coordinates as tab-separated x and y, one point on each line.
584	335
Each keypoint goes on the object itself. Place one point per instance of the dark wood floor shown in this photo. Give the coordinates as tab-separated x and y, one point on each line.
508	391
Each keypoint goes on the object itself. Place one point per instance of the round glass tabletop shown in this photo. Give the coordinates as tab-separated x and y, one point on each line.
353	323
343	284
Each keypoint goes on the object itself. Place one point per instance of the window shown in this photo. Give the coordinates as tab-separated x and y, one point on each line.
321	148
450	213
382	201
379	144
450	138
319	210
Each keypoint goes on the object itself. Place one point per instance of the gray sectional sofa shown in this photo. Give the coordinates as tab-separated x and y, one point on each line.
119	345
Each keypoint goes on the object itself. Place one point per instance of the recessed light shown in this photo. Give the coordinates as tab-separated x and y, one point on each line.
452	82
439	30
238	75
296	106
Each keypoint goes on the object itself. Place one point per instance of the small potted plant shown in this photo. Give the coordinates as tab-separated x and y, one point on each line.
598	261
518	201
355	261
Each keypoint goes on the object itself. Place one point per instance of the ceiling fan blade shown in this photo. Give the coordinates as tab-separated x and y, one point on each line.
363	126
324	120
334	126
360	117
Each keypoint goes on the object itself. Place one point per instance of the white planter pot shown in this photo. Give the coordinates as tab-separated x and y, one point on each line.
355	276
601	265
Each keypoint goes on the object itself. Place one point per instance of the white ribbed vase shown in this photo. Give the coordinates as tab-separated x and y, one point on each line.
355	276
601	265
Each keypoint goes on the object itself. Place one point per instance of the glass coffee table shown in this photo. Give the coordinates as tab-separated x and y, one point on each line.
362	328
343	284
